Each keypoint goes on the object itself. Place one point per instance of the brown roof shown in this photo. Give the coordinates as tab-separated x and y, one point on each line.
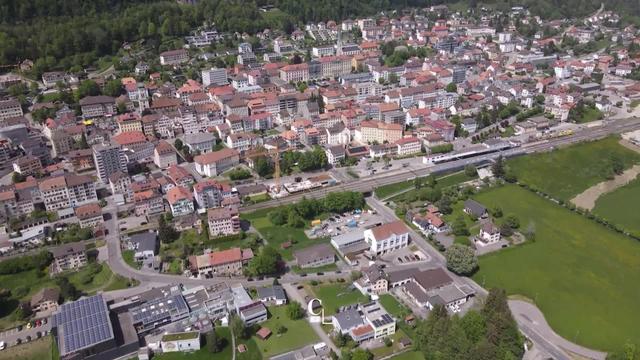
225	256
221	213
129	137
46	294
88	211
432	278
164	148
52	183
362	330
263	333
215	156
178	193
67	249
312	253
386	230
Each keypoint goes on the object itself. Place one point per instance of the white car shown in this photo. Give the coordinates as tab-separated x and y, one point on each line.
2	345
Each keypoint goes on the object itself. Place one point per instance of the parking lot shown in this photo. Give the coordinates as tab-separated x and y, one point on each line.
406	257
345	223
26	333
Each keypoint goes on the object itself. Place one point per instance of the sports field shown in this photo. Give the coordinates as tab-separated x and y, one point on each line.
565	173
581	275
622	207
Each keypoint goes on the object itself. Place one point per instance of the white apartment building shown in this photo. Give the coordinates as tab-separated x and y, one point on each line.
214	76
387	237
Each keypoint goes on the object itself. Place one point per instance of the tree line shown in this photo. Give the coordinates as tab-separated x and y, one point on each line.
294	215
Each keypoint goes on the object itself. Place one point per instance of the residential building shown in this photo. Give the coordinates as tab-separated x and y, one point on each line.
489	233
180	201
409	146
214	163
148	202
180	176
97	106
144	246
273	294
223	221
387	237
89	215
475	209
250	311
200	142
315	256
120	183
335	154
67	191
28	165
45	300
109	159
10	109
129	122
68	257
209	194
214	76
174	57
295	73
220	263
377	131
164	155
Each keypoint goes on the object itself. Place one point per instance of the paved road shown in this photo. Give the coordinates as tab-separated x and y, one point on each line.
529	317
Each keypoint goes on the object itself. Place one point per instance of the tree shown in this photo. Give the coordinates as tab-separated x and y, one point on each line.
617	166
238	327
214	343
496	212
166	233
88	88
459	227
178	144
502	329
512	221
68	291
461	259
266	262
295	311
18	178
280	329
263	166
361	354
451	88
113	88
498	167
470	170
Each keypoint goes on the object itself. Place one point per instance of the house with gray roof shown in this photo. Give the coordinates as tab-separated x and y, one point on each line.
315	256
476	209
272	294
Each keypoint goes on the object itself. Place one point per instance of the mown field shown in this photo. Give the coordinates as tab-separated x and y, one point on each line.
566	172
622	207
580	274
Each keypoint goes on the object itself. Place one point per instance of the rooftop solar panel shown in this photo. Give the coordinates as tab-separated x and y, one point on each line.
83	323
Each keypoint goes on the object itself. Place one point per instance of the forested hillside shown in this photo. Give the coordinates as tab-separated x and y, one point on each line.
64	33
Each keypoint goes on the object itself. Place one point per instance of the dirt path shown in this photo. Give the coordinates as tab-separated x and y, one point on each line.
587	199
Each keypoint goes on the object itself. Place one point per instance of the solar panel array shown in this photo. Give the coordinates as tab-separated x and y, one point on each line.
83	323
159	309
383	320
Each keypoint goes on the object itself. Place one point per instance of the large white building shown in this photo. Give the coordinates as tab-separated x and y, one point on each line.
109	159
10	108
67	191
214	76
387	237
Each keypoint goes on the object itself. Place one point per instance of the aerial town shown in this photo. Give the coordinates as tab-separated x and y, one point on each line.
426	183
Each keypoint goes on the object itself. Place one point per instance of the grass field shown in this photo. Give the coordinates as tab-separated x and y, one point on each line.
622	207
392	306
409	355
326	268
335	295
128	256
299	333
443	181
580	274
565	173
278	235
590	114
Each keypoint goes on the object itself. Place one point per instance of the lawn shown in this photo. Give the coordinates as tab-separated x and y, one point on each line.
198	242
40	349
622	207
441	183
580	274
590	114
326	268
127	255
227	351
393	307
409	355
278	235
335	295
384	191
299	333
565	173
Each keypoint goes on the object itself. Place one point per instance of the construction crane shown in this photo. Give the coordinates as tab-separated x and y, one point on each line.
275	155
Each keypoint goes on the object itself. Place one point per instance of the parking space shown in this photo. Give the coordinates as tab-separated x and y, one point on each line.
26	333
131	222
407	256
